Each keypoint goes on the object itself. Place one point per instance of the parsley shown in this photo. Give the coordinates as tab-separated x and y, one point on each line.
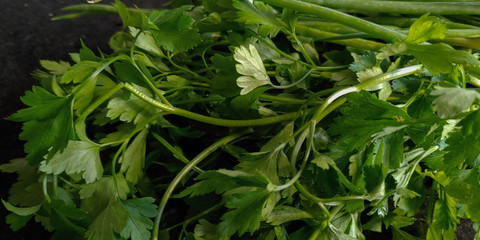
265	119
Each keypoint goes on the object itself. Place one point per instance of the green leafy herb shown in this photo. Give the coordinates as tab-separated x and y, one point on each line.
263	119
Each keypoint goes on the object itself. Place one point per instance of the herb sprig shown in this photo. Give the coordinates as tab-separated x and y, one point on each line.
268	119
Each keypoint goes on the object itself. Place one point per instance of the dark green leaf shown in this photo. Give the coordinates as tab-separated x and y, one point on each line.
464	146
48	123
175	30
139	223
113	219
366	116
245	212
440	57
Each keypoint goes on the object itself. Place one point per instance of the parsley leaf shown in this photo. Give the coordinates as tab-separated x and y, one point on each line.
97	195
131	109
174	29
251	67
27	191
440	57
222	180
426	28
464	146
451	101
113	219
139	223
258	13
47	123
283	214
80	72
77	157
366	116
56	68
133	160
245	212
271	160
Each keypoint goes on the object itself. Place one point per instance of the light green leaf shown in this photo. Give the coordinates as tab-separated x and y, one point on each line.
131	109
113	219
77	157
258	13
426	28
56	68
21	211
251	67
80	71
84	94
133	160
444	219
146	42
451	101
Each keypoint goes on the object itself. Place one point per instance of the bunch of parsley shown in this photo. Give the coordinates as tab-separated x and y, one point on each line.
271	119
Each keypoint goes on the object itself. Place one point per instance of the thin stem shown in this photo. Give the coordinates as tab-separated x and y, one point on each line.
403	7
205	153
100	100
302	48
174	151
55	186
367	84
213	208
207	119
114	164
381	32
45	189
273	47
202	78
295	83
331	201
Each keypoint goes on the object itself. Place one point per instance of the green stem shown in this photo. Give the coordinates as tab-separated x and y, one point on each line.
332	201
431	202
177	154
100	100
45	189
145	77
402	7
215	207
381	32
212	148
55	186
199	77
367	84
207	119
93	9
319	34
114	164
273	47
294	83
302	49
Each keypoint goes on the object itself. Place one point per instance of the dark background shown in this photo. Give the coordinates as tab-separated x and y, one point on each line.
27	35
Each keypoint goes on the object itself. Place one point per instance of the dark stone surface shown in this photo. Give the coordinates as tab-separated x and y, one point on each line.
27	35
